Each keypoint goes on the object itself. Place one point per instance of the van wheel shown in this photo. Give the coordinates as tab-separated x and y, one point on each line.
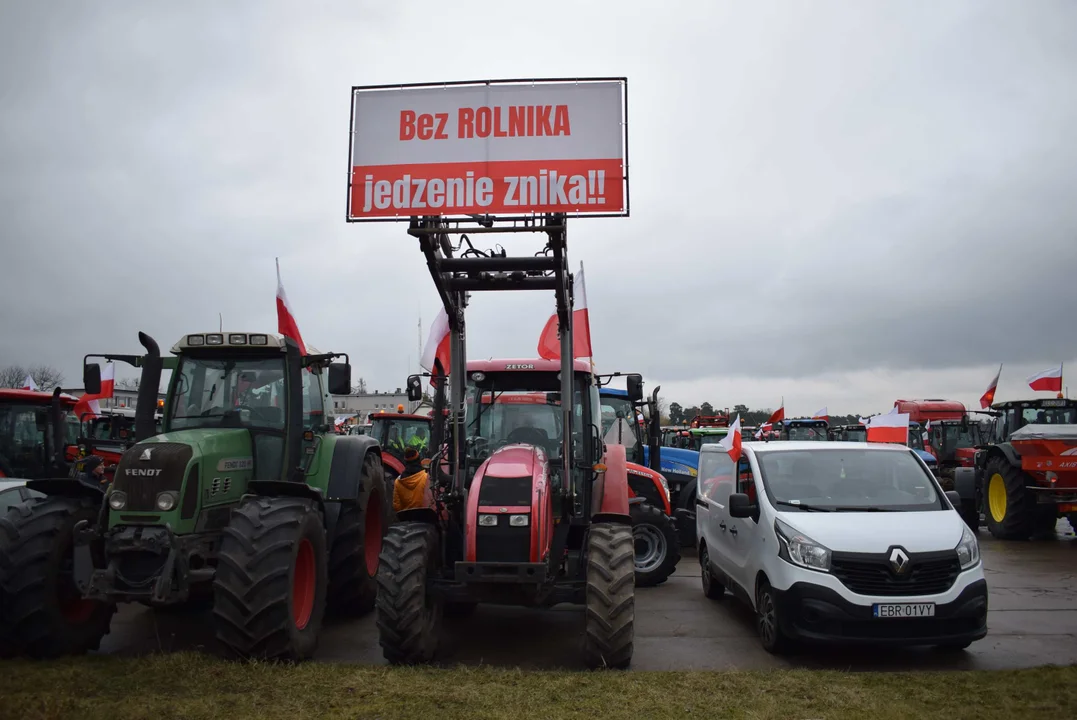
712	587
768	620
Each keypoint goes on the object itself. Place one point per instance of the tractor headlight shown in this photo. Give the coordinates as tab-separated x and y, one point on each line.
117	500
518	520
166	501
488	520
968	550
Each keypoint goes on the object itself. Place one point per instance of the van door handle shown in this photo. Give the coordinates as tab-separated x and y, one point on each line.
733	531
721	526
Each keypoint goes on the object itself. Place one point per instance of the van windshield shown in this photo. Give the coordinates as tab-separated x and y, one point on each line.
847	479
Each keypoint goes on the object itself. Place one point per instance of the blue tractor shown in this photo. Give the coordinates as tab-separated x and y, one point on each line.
678	466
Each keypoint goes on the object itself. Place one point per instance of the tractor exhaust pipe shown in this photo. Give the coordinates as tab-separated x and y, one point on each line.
59	434
150	382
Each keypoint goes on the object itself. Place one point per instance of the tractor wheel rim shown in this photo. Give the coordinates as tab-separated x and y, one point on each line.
766	617
996	497
372	534
303	584
650	546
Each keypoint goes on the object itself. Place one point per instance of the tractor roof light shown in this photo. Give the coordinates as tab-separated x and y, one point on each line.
196	340
237	339
259	339
215	339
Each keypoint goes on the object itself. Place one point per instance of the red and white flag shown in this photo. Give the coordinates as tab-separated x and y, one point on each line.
778	415
436	351
732	441
286	324
989	396
892	427
549	344
28	383
764	428
1047	381
88	404
821	415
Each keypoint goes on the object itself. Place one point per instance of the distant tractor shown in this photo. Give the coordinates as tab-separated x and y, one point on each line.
653	528
850	433
951	437
395	433
35	429
529	504
247	502
811	429
1026	478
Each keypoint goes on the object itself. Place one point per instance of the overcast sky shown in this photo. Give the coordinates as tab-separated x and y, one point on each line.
840	202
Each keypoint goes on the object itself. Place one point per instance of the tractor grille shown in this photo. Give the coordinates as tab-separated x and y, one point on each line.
142	479
928	574
503	543
505	491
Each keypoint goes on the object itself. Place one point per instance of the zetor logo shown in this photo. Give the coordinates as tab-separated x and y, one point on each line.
520	366
143	472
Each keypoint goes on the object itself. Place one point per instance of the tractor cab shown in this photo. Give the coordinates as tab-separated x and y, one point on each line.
1015	414
398	431
851	433
700	436
954	441
30	423
805	429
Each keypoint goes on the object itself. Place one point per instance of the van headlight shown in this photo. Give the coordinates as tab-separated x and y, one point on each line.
968	550
798	549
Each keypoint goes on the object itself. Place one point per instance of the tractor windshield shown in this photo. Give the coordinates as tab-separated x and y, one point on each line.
398	434
855	434
807	432
707	438
26	442
620	426
228	392
955	437
520	407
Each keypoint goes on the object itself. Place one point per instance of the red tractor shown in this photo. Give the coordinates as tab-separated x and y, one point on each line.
396	432
951	437
529	505
1026	478
35	430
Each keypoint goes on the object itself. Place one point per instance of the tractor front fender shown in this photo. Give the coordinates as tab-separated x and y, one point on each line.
346	470
286	488
1007	451
965	482
610	500
66	487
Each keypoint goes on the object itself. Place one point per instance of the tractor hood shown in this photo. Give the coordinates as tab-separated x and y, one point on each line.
514	461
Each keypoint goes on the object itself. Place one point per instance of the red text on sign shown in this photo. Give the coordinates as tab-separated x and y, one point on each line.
483	122
424	127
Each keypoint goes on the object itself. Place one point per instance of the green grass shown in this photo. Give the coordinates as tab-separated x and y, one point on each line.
189	685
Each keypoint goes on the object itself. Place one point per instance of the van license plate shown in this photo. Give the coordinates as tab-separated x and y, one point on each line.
904	610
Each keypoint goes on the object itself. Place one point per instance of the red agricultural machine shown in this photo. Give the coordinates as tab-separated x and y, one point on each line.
951	436
1026	478
530	507
396	432
35	430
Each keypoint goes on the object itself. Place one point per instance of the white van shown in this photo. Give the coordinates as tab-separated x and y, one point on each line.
839	542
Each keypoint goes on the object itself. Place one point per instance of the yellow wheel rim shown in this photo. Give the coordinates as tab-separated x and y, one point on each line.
996	497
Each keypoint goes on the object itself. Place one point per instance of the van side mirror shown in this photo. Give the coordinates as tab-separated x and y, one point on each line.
340	378
635	388
415	388
742	507
91	378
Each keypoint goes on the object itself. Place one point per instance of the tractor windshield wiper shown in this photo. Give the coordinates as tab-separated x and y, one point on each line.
802	506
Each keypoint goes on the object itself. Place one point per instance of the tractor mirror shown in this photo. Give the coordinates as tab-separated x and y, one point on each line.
91	378
635	388
340	378
415	388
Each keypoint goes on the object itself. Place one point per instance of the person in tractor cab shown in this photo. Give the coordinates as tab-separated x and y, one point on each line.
412	489
93	473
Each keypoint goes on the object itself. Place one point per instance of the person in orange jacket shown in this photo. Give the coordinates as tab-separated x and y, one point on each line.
412	488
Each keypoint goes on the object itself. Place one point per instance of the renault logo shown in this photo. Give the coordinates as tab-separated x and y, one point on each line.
146	454
899	560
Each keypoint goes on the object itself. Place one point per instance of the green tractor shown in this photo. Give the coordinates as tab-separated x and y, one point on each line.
247	502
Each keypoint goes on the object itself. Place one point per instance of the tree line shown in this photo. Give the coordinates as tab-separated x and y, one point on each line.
680	415
45	376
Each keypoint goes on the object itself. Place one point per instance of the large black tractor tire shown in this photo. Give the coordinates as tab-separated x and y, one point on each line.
656	543
409	615
1010	509
271	583
610	597
354	558
42	613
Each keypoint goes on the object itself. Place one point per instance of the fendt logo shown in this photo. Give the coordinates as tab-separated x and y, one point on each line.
143	472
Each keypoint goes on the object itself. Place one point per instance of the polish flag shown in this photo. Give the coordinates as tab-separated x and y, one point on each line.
821	415
88	404
29	384
286	324
1047	381
989	397
436	352
731	442
889	428
549	344
764	428
778	415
